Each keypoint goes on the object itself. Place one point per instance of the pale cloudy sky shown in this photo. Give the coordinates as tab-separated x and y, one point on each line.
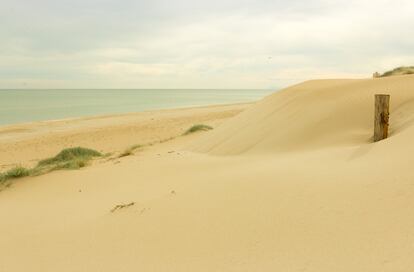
199	44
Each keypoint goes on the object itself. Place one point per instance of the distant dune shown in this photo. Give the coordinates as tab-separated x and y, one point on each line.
293	183
403	70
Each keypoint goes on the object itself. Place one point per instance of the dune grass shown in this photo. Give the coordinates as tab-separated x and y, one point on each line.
16	172
75	158
198	127
403	70
69	158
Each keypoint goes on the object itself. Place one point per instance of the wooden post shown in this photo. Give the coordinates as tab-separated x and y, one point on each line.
382	113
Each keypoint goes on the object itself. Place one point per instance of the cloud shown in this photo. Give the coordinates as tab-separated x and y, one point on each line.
199	44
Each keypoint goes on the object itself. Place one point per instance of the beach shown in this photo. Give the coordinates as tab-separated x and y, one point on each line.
293	182
25	144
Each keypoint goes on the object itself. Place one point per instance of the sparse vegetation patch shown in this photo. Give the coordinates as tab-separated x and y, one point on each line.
195	128
403	70
69	158
16	172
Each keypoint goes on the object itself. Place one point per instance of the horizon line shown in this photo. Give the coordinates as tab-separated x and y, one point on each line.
12	89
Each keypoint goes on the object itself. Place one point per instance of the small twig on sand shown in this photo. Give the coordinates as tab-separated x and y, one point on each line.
121	206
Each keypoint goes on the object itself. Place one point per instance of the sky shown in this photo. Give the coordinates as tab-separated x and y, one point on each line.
249	44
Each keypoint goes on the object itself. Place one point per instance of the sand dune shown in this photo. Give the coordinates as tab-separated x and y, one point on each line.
312	115
291	184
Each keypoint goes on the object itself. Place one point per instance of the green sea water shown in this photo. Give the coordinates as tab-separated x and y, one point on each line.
19	106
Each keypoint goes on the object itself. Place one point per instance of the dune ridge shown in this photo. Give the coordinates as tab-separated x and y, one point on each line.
312	115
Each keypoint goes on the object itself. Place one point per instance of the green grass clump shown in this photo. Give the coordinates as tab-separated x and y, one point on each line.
73	164
129	151
16	172
70	157
403	70
195	128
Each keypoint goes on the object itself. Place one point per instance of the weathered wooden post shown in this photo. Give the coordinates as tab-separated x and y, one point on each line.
382	113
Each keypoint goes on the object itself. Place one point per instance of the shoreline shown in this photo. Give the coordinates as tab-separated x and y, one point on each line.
111	115
49	105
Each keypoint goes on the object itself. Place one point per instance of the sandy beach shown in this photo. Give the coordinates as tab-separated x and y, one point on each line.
25	144
290	183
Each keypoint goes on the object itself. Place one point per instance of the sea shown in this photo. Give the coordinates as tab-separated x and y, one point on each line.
20	106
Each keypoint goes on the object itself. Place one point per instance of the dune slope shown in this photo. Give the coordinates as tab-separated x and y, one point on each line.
312	115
